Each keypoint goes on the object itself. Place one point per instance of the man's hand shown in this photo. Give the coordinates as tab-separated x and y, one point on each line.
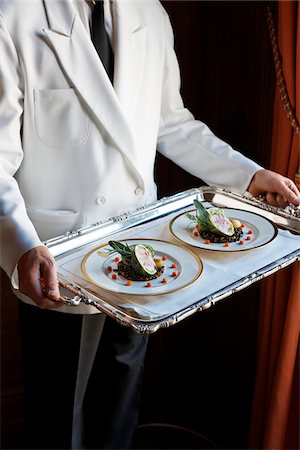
279	190
38	279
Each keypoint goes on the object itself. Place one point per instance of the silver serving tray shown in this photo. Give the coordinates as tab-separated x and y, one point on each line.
80	240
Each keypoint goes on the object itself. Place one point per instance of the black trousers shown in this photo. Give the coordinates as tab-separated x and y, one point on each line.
51	342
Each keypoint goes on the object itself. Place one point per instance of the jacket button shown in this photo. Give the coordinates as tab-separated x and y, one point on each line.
139	191
100	200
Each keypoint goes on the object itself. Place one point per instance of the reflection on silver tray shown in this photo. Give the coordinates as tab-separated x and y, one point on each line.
257	231
182	268
141	314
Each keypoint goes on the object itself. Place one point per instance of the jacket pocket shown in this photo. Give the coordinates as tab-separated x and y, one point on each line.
60	119
51	223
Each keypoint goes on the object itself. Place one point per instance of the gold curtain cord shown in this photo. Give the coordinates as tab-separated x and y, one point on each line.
290	113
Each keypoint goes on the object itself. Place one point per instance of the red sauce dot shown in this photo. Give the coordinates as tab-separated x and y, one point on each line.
174	274
250	231
164	258
117	259
196	233
164	280
173	266
148	284
207	241
248	238
114	276
226	244
241	242
109	268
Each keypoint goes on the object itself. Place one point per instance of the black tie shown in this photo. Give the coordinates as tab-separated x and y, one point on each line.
101	40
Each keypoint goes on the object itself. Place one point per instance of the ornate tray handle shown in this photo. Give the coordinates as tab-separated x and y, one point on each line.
144	317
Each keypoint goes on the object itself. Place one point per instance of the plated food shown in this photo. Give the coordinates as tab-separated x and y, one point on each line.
141	266
138	262
213	225
224	229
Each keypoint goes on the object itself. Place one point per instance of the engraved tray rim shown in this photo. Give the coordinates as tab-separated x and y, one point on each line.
165	206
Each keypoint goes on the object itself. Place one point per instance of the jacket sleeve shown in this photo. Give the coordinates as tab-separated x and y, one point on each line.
190	143
17	232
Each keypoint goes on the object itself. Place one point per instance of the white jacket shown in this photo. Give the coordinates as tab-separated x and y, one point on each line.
74	149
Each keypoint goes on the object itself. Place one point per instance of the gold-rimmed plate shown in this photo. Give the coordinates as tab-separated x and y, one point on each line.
257	231
182	267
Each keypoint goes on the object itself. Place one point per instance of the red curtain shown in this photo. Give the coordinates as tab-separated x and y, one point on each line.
275	414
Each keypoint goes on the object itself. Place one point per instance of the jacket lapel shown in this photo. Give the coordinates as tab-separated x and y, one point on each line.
129	39
111	108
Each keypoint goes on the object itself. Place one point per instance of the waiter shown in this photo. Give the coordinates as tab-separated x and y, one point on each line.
88	94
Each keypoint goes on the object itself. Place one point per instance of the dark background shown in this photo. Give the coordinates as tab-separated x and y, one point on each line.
200	373
228	76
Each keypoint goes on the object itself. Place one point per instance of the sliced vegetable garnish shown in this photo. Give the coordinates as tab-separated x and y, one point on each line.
211	219
139	257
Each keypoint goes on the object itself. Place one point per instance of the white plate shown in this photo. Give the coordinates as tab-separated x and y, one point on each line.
98	267
257	231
